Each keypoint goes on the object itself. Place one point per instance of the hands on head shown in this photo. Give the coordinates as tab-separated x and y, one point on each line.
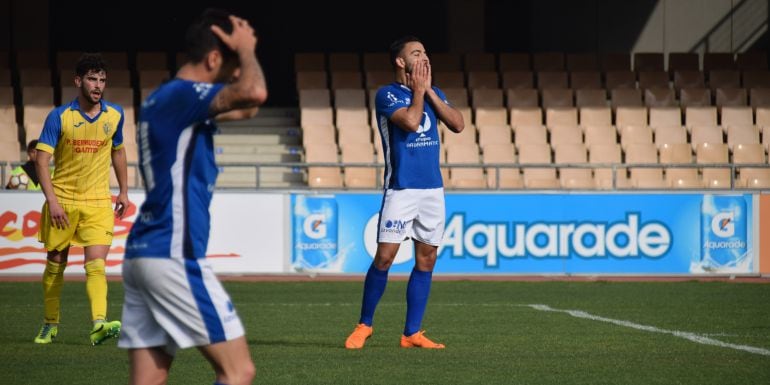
242	37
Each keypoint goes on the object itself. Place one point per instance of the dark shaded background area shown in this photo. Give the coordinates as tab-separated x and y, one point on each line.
570	26
284	27
289	26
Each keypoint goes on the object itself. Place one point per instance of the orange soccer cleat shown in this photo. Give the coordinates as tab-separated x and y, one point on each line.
357	339
418	340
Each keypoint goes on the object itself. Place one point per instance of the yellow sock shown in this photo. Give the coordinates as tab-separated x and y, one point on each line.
96	287
52	282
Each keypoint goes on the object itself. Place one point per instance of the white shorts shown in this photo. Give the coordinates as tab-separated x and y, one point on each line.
412	213
175	304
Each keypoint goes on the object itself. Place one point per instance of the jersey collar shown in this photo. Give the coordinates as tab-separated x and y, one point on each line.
75	105
404	87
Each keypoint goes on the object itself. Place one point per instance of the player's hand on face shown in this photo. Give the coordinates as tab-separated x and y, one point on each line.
419	76
242	36
121	205
58	216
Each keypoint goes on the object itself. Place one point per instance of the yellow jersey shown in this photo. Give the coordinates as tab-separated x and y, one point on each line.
82	151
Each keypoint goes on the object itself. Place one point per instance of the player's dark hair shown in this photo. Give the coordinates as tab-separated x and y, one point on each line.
90	62
31	145
398	45
200	40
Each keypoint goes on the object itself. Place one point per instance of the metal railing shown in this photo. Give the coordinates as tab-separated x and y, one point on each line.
616	168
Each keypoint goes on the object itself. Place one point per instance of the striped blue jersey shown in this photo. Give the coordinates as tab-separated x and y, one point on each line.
176	156
411	158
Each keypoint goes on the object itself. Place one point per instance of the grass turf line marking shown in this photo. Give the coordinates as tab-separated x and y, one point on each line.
698	338
676	333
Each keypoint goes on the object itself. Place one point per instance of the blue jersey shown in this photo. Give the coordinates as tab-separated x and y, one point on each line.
411	158
176	155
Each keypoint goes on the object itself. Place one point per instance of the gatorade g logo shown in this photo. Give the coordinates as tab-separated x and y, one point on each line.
723	224
315	226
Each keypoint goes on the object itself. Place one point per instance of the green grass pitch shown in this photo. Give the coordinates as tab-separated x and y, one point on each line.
296	332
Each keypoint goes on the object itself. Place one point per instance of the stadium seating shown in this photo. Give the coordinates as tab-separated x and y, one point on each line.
377	61
577	62
573	154
592	116
151	60
752	177
679	153
585	80
465	177
323	177
713	153
359	177
565	135
670	134
344	61
619	108
526	116
644	177
606	153
537	177
506	177
517	79
599	134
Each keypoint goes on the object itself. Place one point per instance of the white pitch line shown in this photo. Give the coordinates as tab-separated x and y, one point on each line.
676	333
698	338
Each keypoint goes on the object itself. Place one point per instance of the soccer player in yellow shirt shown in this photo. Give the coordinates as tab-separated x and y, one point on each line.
83	136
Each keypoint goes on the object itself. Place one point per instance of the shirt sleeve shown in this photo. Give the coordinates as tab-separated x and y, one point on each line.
441	95
387	102
49	137
117	138
201	97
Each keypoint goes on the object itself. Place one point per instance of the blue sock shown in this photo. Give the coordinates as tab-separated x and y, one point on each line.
374	286
219	383
417	292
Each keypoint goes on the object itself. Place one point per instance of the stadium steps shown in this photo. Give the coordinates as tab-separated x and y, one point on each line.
273	136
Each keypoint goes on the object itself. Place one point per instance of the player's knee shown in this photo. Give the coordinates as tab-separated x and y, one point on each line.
57	256
425	265
243	373
383	263
385	255
425	262
95	267
249	372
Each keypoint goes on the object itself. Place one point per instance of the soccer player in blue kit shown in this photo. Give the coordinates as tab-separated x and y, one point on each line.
408	111
173	300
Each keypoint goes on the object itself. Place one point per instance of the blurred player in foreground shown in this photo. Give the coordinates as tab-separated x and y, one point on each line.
173	300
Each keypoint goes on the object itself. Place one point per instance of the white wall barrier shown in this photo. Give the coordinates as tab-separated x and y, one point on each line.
247	234
486	233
